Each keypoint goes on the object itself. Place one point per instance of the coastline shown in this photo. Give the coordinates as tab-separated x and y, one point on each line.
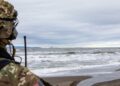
112	79
76	80
109	83
65	80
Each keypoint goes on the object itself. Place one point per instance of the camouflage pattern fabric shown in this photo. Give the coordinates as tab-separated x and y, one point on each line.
7	10
16	75
8	17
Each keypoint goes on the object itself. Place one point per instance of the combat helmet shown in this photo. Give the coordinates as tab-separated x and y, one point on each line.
8	21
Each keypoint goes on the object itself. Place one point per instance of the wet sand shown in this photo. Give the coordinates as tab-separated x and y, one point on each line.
109	83
65	80
75	80
89	77
112	79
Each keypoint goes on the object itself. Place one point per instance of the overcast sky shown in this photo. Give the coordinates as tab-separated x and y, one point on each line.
82	23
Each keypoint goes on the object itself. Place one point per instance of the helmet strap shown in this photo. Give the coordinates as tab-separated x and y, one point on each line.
13	51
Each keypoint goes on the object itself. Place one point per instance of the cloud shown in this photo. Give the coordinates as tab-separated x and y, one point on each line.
63	22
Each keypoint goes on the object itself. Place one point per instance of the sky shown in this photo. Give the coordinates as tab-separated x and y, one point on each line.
68	23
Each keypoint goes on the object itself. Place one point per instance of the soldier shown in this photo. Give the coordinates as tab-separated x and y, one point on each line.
12	73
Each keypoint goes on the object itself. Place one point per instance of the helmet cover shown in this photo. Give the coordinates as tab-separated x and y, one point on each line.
8	16
7	10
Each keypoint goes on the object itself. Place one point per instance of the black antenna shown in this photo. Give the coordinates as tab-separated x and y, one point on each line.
25	48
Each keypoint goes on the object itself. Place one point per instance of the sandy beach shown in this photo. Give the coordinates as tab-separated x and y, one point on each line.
103	79
65	80
109	83
75	80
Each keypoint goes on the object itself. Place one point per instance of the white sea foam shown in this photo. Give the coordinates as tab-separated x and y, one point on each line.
56	61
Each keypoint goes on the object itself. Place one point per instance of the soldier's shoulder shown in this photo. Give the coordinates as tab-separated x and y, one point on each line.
13	67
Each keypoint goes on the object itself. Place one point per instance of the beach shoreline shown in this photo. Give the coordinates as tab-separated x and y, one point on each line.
108	79
109	83
65	80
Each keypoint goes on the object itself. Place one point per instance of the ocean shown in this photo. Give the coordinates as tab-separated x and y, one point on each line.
69	61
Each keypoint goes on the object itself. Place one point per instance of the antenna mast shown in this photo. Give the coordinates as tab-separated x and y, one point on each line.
25	48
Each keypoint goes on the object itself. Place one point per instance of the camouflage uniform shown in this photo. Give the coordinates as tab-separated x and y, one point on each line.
16	75
13	74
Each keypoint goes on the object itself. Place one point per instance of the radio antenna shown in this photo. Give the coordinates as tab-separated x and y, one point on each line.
25	48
